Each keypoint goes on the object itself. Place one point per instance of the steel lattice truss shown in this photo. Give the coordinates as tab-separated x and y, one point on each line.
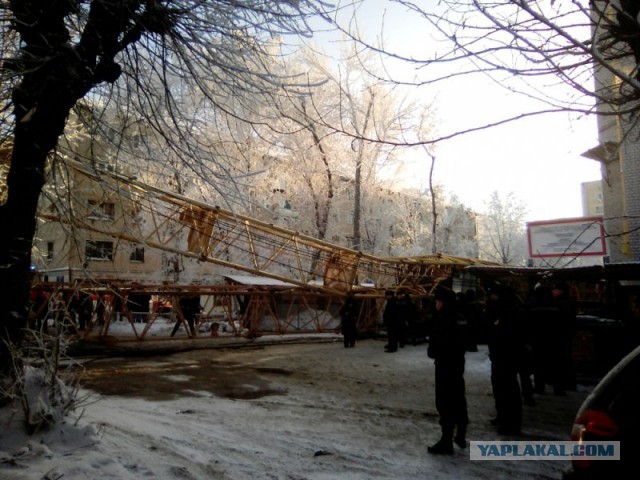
173	223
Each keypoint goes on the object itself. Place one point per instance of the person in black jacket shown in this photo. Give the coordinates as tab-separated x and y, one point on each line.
407	314
447	347
138	306
506	351
349	319
391	321
190	307
81	304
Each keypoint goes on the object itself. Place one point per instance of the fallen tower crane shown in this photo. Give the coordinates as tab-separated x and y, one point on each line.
208	233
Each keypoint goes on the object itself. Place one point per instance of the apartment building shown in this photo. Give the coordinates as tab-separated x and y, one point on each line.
618	151
592	200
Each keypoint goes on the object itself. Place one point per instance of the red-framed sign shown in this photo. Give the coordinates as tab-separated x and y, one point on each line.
573	237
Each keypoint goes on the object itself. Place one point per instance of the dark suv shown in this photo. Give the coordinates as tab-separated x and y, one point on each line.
611	413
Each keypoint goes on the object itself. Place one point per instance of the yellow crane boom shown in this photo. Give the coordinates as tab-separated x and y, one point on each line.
209	233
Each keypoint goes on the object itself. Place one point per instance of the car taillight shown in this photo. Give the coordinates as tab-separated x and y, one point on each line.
592	425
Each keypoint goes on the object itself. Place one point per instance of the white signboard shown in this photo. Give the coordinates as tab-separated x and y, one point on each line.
566	237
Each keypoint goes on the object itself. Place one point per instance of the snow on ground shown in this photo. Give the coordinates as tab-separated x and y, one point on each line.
287	411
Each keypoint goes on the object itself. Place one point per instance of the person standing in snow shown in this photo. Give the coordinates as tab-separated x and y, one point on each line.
190	307
447	345
138	305
505	352
407	313
81	309
349	318
391	322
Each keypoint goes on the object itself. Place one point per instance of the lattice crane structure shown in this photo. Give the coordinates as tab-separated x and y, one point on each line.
170	222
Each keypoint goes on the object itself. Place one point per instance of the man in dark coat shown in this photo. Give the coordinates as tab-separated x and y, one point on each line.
138	306
407	314
81	304
391	321
447	347
506	347
190	307
349	319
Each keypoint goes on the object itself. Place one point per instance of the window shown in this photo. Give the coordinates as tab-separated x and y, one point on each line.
49	250
137	253
108	167
98	250
101	210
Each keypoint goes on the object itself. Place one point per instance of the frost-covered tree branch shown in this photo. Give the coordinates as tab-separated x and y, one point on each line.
139	57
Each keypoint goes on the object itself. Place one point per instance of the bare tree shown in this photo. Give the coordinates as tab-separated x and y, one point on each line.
412	234
457	229
305	148
503	229
534	48
434	204
323	128
102	51
372	118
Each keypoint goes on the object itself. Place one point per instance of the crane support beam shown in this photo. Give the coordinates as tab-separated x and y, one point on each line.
168	221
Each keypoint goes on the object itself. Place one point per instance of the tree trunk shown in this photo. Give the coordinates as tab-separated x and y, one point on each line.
42	102
54	76
434	211
356	206
32	142
357	194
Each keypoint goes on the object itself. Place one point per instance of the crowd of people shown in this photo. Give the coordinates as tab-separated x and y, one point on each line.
529	344
77	311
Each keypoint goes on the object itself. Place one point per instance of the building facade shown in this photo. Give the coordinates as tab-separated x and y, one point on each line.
619	154
592	202
618	148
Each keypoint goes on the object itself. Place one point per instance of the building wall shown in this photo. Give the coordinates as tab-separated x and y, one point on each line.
619	154
592	204
620	165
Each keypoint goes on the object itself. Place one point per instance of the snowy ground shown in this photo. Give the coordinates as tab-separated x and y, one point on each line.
289	411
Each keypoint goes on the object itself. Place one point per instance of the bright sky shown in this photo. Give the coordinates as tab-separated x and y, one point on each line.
539	159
